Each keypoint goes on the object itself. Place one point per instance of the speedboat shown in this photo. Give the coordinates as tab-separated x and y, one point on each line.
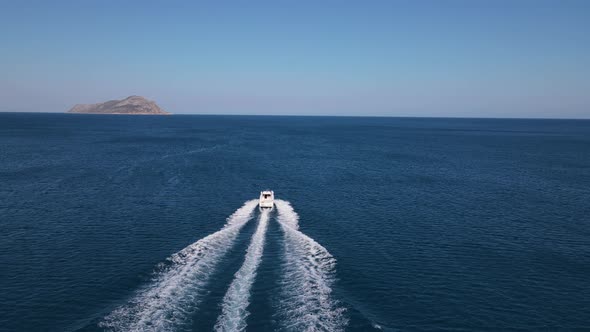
267	199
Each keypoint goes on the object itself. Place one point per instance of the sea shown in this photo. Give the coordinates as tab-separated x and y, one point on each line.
151	223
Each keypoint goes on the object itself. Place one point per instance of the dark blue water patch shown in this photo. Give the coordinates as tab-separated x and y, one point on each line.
435	224
266	287
205	316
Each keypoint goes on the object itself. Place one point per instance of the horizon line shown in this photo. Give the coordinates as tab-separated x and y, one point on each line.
316	115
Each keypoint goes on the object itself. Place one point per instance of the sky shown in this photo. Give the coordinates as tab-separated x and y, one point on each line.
469	58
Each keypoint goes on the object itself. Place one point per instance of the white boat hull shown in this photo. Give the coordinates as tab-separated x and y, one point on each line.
267	198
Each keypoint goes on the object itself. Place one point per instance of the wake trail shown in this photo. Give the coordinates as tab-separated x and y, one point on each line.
306	302
237	297
177	289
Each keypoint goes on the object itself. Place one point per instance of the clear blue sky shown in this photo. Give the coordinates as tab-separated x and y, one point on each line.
401	58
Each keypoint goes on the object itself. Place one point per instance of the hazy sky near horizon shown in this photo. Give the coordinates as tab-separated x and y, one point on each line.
503	58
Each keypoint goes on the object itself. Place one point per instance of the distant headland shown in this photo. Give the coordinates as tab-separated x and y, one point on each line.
135	105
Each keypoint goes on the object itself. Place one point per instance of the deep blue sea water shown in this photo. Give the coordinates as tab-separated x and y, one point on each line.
405	224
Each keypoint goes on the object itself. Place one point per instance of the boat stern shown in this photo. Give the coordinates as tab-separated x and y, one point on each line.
267	198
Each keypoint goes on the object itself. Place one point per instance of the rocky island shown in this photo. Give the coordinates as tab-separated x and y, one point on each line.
131	105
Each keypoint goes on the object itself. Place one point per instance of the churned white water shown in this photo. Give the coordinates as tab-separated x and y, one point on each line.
176	291
306	302
237	297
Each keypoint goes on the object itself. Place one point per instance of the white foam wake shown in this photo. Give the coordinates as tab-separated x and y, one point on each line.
177	289
237	297
306	303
